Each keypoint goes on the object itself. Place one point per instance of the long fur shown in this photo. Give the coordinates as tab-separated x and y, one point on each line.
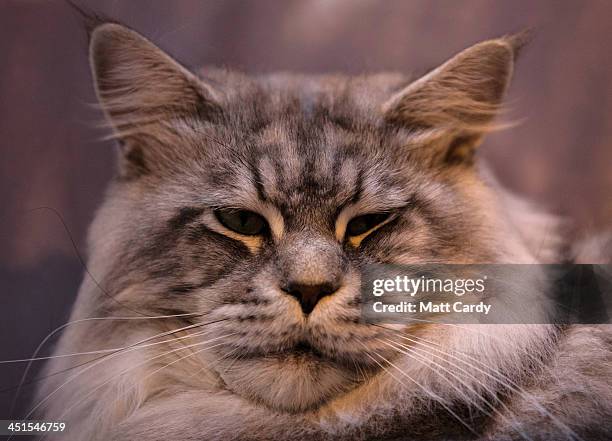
308	153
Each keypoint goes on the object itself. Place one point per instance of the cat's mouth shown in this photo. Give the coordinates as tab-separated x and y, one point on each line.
296	379
303	346
302	349
300	374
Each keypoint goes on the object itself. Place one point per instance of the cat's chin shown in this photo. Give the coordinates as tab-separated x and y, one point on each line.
292	382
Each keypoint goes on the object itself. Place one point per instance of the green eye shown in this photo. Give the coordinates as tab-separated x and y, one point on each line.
242	221
362	224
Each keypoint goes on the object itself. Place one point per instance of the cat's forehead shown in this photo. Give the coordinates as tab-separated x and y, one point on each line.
297	163
301	142
305	145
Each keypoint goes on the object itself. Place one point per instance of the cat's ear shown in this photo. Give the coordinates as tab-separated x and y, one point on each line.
459	99
140	88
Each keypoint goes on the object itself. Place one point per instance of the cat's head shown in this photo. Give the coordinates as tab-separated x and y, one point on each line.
256	200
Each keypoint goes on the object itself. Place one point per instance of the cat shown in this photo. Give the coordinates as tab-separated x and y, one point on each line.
221	300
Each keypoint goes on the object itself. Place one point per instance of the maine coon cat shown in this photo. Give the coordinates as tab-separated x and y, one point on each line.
223	296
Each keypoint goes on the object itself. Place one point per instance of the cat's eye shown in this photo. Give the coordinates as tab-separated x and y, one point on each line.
242	221
362	224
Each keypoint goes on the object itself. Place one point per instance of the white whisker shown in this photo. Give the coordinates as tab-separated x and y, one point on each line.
129	348
428	392
499	377
413	354
131	368
65	325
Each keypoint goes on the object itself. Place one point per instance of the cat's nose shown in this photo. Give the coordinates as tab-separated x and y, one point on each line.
309	294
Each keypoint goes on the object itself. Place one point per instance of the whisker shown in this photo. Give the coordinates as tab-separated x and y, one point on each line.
428	392
45	340
404	349
510	384
532	357
112	355
61	371
131	368
428	345
23	360
500	378
105	351
482	398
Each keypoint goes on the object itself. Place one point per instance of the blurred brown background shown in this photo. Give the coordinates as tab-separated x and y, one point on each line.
560	155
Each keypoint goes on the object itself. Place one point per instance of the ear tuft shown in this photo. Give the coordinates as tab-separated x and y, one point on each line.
90	19
519	41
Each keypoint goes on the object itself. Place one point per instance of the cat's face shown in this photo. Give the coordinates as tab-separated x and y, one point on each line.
255	202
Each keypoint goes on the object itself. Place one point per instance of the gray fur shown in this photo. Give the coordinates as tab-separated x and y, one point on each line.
308	153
